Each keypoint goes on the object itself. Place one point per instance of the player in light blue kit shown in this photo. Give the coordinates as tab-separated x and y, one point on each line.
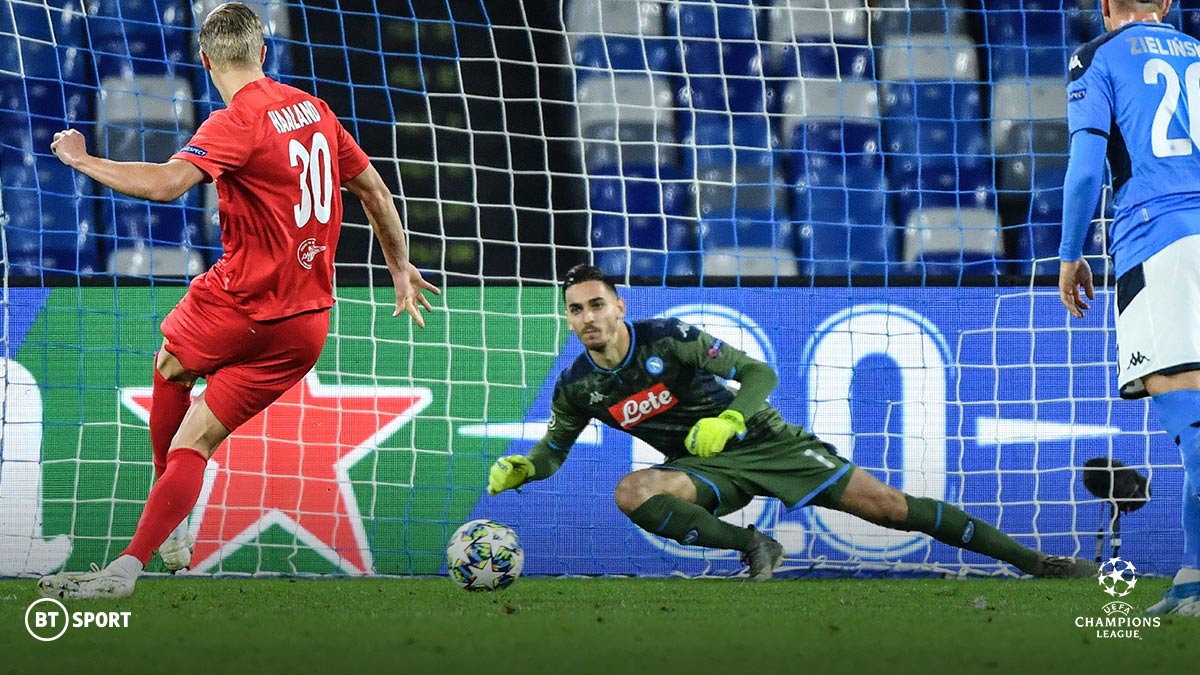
1134	93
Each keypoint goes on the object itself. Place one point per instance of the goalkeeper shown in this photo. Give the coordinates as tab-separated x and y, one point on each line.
657	380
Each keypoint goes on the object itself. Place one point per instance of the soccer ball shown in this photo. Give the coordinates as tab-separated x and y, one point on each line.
484	555
1118	577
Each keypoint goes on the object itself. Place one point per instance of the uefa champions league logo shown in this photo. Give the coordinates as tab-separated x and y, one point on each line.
1117	577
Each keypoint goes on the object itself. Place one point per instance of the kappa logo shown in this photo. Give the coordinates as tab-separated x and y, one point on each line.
1138	359
595	397
1075	62
307	251
643	405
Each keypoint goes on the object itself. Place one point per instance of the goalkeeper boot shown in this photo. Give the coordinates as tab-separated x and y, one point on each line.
99	583
176	554
1182	599
763	555
1063	567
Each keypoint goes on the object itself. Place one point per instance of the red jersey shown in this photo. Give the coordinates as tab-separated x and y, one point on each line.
279	157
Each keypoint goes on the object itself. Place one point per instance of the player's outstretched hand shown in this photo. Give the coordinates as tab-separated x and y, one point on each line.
508	473
709	436
69	146
1072	275
410	289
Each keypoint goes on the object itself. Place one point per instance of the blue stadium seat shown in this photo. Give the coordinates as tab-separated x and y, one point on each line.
1030	22
1029	131
950	223
819	38
600	56
932	122
138	36
51	224
834	165
855	62
1039	231
948	241
720	78
627	119
728	19
743	140
932	106
1029	38
1038	238
1014	61
846	146
45	47
890	18
148	118
51	229
59	23
752	242
1189	20
844	222
638	226
956	186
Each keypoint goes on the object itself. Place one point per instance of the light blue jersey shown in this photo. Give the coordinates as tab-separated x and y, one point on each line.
1139	87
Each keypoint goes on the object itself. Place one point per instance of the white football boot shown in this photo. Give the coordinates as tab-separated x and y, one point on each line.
1181	599
99	583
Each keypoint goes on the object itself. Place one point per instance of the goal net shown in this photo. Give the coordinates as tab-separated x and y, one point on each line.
867	196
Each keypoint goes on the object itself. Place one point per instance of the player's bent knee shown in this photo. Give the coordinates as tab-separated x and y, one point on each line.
635	488
171	369
631	492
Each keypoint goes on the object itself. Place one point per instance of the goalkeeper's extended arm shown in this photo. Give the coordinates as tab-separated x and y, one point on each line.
758	380
710	434
515	470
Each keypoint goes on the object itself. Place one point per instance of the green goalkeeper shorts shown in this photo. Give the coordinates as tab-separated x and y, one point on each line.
793	466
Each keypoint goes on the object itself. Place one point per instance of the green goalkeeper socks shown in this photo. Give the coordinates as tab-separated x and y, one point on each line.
687	523
951	525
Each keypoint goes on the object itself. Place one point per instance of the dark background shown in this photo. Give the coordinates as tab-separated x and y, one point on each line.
474	99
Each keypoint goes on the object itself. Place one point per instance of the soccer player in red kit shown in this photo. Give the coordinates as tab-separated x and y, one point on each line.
254	324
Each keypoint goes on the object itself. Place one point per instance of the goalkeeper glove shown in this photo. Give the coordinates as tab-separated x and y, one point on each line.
709	435
508	473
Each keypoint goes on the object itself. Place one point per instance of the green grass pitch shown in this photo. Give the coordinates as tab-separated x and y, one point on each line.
609	626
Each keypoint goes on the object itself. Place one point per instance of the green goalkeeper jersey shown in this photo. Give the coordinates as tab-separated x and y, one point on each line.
668	381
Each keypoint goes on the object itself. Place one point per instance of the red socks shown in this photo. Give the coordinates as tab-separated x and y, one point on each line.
167	408
170	501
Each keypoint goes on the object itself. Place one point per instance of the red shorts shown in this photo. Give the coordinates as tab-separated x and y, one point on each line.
247	364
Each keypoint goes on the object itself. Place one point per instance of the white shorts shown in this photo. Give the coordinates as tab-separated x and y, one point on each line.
1158	316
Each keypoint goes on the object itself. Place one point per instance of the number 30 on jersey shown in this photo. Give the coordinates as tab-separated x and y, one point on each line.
316	179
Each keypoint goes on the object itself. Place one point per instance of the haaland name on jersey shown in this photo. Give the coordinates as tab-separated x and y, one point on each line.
294	117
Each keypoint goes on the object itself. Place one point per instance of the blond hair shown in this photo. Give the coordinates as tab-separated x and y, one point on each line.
232	35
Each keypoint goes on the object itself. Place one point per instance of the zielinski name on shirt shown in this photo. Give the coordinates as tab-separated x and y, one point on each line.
1169	47
294	116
